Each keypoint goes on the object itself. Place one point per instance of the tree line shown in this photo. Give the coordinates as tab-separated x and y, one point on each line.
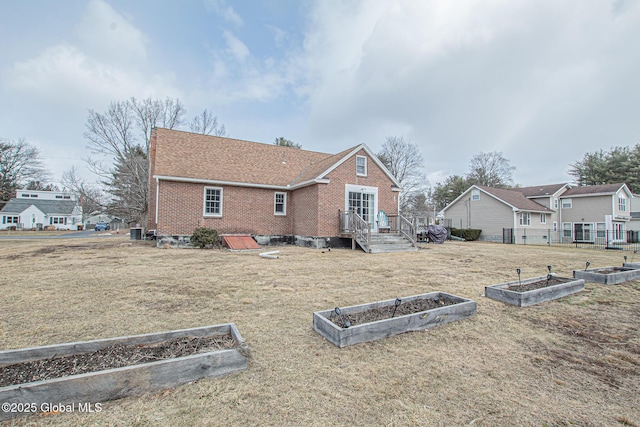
118	140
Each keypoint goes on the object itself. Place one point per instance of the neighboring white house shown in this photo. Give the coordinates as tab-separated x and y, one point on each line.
38	209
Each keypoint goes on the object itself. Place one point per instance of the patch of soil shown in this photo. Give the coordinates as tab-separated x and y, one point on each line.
380	313
611	270
116	356
538	285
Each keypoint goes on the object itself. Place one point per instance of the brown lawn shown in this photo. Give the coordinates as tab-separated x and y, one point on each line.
574	361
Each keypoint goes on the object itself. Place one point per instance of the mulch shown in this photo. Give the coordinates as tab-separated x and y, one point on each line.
115	356
380	313
538	285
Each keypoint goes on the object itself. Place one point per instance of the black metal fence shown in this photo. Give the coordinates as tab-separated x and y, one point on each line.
601	239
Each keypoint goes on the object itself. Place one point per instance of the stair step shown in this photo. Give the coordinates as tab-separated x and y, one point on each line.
389	242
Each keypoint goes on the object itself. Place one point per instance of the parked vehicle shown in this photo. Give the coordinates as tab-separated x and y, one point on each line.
102	226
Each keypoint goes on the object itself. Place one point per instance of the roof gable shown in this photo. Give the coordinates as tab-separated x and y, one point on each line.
195	157
597	190
515	199
47	207
512	198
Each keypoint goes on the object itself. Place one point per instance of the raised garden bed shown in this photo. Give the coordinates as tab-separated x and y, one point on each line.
635	265
534	290
74	377
608	275
373	321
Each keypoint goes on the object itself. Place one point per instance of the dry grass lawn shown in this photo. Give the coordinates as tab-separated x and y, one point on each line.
574	361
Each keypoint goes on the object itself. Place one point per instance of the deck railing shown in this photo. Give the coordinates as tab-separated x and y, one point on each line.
402	225
354	224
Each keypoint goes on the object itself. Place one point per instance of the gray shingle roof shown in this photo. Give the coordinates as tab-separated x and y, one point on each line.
48	207
593	189
515	198
540	190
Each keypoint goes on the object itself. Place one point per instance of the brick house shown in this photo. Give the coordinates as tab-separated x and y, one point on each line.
274	193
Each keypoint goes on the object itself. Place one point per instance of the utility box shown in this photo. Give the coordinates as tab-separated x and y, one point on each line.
135	233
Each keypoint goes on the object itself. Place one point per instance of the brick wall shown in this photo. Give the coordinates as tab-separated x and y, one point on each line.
244	210
311	211
332	198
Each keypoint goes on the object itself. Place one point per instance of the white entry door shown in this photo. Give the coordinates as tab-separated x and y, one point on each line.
362	200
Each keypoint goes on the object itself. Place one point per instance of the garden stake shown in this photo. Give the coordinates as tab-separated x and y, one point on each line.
397	303
548	275
587	266
519	282
625	260
345	324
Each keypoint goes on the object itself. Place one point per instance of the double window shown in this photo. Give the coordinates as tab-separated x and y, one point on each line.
622	203
10	219
525	218
213	201
57	220
543	218
280	204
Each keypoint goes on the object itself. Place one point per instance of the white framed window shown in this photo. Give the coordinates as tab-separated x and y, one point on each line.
555	203
57	220
280	204
10	219
525	218
212	201
601	230
475	195
543	218
567	203
567	231
622	203
555	226
361	166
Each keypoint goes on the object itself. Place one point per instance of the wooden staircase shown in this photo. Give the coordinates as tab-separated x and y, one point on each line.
400	238
390	242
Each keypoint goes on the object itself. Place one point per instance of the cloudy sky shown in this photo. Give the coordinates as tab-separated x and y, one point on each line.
541	81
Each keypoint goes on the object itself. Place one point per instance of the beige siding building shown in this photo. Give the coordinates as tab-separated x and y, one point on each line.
596	213
546	214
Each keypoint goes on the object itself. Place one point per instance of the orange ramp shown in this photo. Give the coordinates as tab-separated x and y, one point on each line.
239	242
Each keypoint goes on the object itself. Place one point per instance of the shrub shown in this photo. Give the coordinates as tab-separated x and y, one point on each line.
204	237
467	234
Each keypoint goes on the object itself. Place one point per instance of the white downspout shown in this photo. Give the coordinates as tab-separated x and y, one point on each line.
157	195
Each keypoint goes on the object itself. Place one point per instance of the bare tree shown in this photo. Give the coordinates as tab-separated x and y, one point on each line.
284	142
207	124
90	197
122	135
404	161
151	113
491	170
19	163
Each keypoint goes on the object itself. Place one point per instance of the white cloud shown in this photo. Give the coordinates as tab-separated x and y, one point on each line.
462	77
109	36
236	47
64	74
225	11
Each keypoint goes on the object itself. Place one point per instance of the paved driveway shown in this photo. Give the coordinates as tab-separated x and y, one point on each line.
70	235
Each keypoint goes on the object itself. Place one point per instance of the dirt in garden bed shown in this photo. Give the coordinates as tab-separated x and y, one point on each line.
544	283
115	356
611	270
380	313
